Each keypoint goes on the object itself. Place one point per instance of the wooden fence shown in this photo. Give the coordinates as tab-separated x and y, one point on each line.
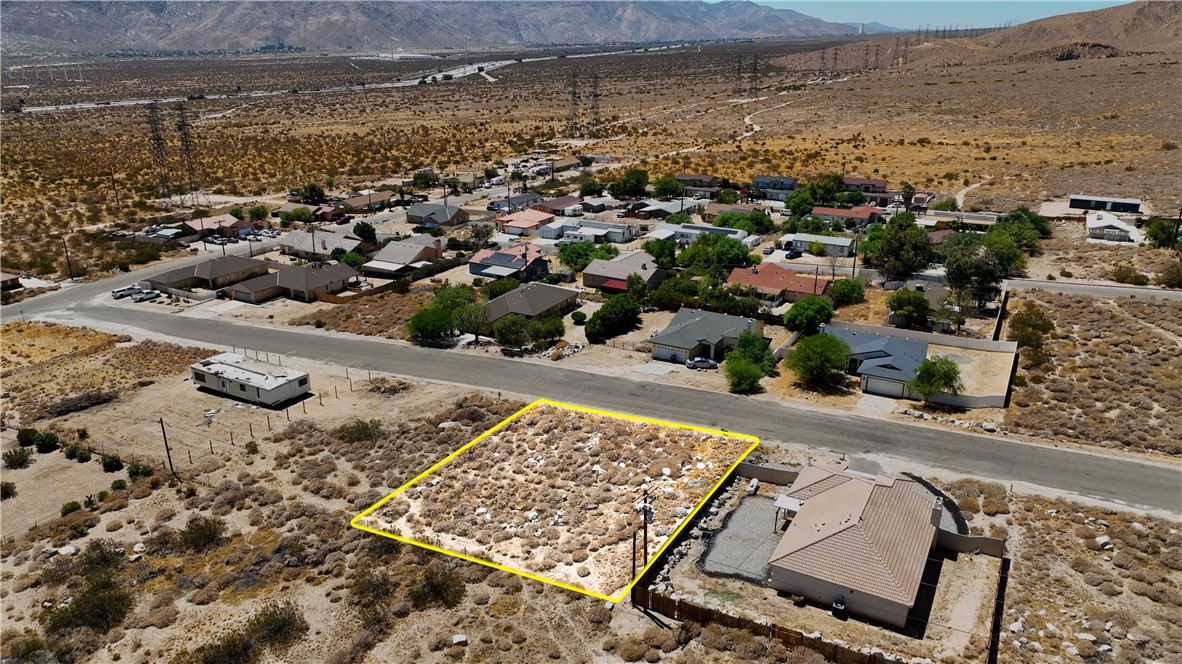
681	609
353	296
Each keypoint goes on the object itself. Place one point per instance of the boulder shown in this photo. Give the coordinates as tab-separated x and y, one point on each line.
459	640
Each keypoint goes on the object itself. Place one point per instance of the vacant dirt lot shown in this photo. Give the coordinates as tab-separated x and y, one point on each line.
553	494
1067	255
1113	377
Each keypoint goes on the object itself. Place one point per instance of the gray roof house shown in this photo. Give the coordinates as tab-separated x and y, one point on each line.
536	300
299	283
885	363
319	244
402	257
773	187
434	215
600	272
212	274
697	333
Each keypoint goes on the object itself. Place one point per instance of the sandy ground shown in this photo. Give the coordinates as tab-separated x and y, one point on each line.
982	372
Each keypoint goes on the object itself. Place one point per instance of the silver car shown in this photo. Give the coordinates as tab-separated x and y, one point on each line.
701	363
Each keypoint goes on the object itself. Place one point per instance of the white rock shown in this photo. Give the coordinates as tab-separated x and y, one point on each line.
1035	646
480	511
813	635
1104	541
1072	650
666	472
67	550
139	548
1017	645
135	557
701	466
1017	627
1139	527
1104	648
459	640
1084	636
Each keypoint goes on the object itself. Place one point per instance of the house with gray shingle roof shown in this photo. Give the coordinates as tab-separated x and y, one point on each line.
696	333
534	300
434	215
857	540
884	362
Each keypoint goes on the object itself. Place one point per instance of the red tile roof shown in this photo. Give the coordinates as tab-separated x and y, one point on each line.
773	279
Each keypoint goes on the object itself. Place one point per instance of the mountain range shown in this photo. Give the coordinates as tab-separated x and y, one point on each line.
104	26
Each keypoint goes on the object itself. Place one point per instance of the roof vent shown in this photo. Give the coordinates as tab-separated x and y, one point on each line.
644	266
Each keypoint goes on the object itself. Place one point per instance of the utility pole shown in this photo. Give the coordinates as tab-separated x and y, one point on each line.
167	452
115	188
866	57
821	70
876	56
69	266
896	52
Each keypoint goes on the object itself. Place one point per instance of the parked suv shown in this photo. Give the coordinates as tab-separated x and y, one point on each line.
701	363
120	293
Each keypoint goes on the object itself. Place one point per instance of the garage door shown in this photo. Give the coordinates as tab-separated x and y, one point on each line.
886	388
668	354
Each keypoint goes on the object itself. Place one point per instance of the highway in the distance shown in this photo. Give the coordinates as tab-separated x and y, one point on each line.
1115	480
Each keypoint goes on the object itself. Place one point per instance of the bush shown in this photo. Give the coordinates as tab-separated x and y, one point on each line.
47	441
438	585
71	453
358	431
846	291
808	315
578	317
1171	277
1126	274
969	505
136	471
277	625
18	458
742	375
111	463
7	490
201	533
27	437
71	507
118	485
101	606
817	359
619	315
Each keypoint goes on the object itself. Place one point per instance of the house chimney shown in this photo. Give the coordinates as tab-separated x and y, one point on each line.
937	510
644	266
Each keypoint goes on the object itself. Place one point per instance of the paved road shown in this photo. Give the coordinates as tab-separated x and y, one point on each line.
1096	290
1112	480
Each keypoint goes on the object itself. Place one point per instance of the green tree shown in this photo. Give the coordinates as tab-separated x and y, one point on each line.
577	255
1024	214
817	360
543	331
947	205
904	249
910	304
353	259
715	254
453	297
472	319
236	212
908	192
666	187
755	349
1161	232
727	196
637	287
824	189
742	376
971	267
498	287
425	180
364	231
480	234
800	203
1019	231
850	198
258	213
936	375
312	193
664	252
632	184
847	291
590	188
808	315
618	315
430	324
512	331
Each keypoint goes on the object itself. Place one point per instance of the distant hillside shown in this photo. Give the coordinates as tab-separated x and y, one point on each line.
1138	27
371	25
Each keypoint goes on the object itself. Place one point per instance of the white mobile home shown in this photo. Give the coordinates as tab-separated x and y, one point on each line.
250	380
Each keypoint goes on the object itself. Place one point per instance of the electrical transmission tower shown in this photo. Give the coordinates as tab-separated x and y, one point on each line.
895	57
866	57
876	56
834	60
739	75
906	50
755	73
821	69
572	126
593	130
188	157
159	152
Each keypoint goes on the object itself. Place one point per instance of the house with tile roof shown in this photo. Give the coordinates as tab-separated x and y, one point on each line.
863	215
697	333
523	263
855	540
524	222
777	284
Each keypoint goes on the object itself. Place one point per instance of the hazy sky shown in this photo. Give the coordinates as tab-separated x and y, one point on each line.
938	12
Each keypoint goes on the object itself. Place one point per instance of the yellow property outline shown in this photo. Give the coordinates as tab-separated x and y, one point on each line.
529	575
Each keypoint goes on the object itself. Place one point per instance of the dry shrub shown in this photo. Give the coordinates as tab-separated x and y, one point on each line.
994	506
969	505
632	649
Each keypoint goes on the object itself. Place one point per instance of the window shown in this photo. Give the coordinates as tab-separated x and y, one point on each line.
303	382
198	376
241	387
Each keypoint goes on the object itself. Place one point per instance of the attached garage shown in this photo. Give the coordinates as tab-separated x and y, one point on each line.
886	388
668	354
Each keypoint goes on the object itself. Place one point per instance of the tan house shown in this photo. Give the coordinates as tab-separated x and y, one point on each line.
319	244
367	202
565	164
212	274
714	209
223	224
777	284
404	256
298	283
855	541
525	222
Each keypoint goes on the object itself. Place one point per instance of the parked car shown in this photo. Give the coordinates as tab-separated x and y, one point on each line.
120	293
767	251
144	296
785	212
794	253
701	363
